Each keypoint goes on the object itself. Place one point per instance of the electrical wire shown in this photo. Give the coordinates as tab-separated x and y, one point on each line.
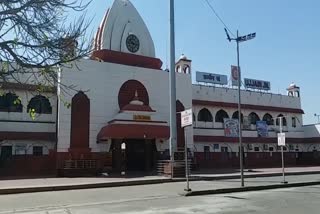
217	15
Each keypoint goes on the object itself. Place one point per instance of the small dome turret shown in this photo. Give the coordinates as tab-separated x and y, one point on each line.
293	90
183	57
183	65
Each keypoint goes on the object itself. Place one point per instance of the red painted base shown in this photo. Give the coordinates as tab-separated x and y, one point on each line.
255	160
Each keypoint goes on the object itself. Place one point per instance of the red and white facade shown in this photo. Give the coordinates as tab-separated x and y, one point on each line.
122	96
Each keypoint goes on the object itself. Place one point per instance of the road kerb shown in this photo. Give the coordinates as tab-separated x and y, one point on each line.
62	187
249	188
82	186
228	177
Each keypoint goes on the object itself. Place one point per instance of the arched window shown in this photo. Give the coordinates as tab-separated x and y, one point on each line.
10	103
40	104
205	115
284	120
186	69
193	117
128	91
3	103
221	115
253	118
80	121
178	69
236	116
268	118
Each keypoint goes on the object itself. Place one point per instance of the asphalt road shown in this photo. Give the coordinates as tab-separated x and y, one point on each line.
162	198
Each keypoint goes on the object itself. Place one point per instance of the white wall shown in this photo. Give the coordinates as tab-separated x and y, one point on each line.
22	121
101	82
245	133
234	147
28	145
230	95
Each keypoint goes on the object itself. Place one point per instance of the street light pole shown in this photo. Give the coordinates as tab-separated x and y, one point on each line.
239	111
173	119
239	39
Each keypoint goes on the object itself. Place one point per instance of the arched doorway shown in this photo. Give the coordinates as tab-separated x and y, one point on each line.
80	123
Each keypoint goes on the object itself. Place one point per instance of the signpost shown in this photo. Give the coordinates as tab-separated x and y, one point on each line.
282	143
281	139
186	120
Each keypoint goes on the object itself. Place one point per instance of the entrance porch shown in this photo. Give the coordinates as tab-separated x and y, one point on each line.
138	156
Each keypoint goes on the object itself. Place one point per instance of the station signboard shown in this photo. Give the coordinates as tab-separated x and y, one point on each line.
211	78
257	84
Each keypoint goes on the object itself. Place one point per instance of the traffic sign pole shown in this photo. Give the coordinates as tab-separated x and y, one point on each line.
186	159
186	120
282	143
283	171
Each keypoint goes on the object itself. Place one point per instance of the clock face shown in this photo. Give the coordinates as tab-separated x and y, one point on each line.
133	43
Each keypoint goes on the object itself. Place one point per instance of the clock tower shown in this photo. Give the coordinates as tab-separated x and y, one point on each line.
123	33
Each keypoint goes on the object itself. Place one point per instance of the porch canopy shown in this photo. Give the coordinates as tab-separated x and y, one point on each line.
135	121
134	131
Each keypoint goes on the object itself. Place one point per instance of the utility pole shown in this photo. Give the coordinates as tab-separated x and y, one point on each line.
239	39
173	116
239	111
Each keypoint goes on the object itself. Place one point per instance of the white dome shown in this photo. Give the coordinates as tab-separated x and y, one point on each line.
183	57
293	85
118	23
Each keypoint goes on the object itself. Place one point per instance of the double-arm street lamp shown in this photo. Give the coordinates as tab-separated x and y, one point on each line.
239	39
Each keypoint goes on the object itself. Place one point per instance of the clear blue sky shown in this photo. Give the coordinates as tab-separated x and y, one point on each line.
286	48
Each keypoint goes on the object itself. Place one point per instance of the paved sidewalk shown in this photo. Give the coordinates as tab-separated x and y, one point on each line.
229	173
251	184
55	184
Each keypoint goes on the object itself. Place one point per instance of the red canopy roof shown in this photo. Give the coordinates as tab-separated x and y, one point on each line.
134	131
131	107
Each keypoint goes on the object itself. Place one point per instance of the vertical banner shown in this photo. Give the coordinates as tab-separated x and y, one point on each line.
234	75
262	128
246	123
231	127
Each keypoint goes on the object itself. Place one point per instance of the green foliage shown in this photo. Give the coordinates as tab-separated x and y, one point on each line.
41	88
65	103
68	105
5	67
32	113
17	101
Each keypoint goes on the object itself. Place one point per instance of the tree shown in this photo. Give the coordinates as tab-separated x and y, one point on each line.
35	38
